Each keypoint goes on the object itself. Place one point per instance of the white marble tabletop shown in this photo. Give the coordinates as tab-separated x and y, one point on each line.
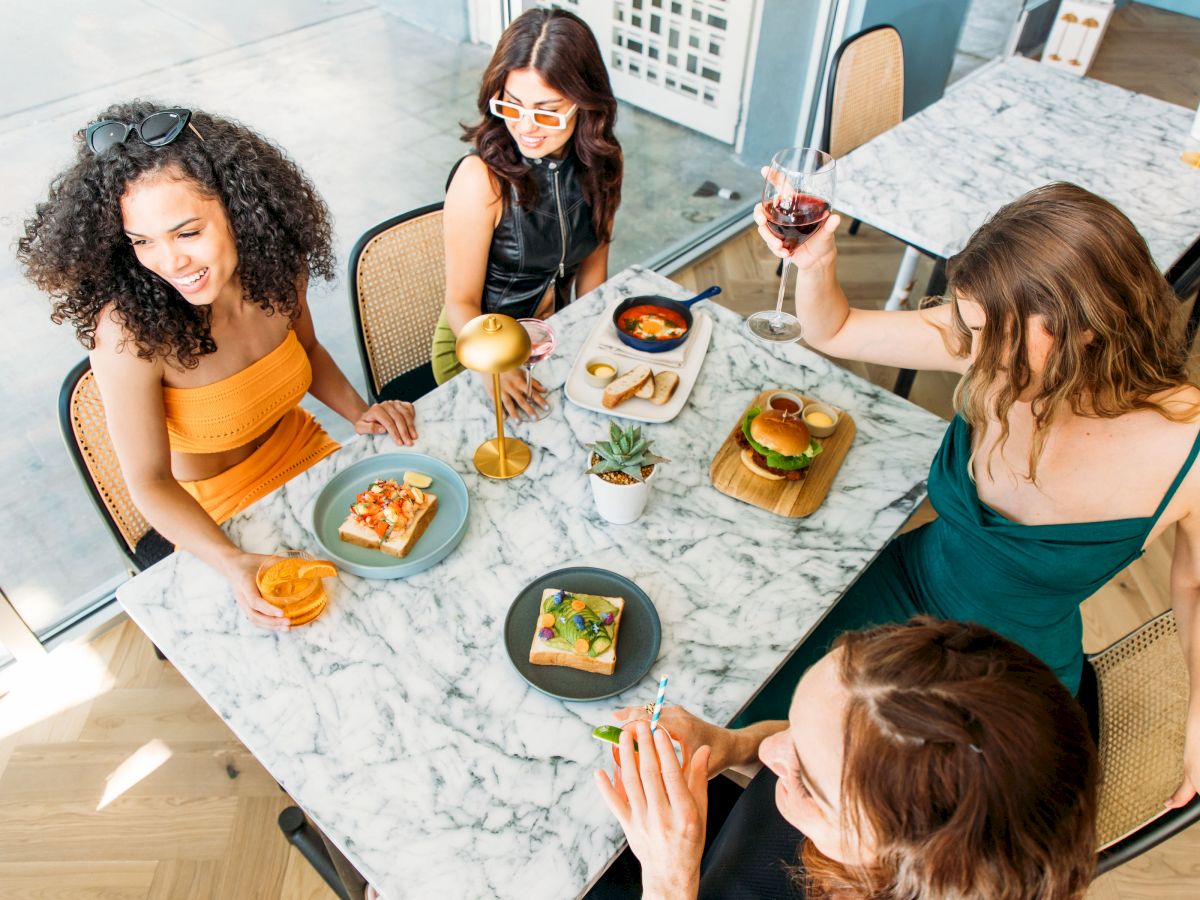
1010	127
396	719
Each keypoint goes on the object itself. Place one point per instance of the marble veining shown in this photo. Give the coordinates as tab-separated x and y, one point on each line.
396	718
1012	126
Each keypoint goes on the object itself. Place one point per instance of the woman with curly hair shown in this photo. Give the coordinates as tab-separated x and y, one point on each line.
931	759
529	212
179	245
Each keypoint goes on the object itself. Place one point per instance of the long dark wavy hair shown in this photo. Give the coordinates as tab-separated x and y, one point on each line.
75	248
563	51
968	765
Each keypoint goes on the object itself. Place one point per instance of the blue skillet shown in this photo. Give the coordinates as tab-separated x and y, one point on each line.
683	308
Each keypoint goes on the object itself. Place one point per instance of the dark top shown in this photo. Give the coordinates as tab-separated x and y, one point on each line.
974	564
539	245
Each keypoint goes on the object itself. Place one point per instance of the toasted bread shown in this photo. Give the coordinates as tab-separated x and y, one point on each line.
399	542
664	387
646	391
542	654
621	389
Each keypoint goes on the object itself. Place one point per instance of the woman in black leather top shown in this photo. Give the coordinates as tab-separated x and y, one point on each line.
529	211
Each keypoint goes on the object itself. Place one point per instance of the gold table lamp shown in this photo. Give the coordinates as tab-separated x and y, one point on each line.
493	344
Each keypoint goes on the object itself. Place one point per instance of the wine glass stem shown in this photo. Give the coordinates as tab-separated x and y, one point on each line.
776	323
528	383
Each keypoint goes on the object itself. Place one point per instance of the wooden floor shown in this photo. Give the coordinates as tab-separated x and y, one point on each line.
117	781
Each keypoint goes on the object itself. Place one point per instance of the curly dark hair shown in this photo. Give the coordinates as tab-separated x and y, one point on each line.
75	248
563	50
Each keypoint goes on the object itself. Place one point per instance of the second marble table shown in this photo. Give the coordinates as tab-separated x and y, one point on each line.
396	719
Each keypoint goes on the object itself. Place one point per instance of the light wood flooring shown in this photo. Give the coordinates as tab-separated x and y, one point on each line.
118	782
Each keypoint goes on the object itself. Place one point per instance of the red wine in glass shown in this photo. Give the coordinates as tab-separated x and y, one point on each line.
794	218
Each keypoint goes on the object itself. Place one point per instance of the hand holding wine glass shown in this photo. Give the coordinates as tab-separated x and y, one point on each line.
541	345
796	202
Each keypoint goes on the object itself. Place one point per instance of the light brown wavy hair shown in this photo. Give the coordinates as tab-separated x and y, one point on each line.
968	764
1062	253
562	49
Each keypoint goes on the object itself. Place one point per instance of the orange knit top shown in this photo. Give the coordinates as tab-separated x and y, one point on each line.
230	413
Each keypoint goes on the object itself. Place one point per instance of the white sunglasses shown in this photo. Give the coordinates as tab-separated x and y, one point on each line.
544	118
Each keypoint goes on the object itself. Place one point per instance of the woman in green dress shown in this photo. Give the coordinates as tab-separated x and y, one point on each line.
1073	444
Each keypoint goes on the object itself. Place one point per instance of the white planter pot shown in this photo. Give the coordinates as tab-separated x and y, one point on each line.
620	503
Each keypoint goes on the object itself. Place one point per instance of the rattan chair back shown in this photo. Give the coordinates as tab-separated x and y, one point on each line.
85	431
866	89
397	288
1143	693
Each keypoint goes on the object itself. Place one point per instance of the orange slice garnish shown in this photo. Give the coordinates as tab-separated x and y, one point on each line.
318	568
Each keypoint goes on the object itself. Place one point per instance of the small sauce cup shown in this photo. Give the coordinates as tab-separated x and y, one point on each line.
821	419
786	402
599	371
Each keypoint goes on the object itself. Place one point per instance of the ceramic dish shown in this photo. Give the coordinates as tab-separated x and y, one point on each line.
440	538
638	638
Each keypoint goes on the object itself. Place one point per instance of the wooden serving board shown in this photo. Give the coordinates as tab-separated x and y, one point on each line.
784	498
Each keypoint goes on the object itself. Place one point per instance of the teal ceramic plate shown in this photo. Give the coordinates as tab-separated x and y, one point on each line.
440	538
637	639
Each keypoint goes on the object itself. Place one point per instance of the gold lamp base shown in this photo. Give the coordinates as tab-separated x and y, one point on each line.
488	461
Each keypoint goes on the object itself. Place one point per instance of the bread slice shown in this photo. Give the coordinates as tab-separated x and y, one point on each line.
664	387
646	391
542	654
621	389
398	543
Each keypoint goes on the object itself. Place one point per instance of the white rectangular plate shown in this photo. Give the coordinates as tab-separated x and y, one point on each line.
581	393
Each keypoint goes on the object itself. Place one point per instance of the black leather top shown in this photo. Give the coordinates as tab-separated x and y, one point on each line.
539	245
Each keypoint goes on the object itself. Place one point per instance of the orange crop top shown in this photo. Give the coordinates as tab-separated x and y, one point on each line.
230	413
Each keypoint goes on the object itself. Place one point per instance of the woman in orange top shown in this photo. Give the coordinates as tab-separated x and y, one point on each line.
180	245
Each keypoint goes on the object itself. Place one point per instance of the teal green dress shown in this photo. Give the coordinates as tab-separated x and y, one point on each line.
974	564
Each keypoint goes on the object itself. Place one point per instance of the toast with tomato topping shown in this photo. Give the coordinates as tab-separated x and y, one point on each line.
577	630
389	517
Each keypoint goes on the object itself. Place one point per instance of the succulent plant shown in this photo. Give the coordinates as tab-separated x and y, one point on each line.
625	451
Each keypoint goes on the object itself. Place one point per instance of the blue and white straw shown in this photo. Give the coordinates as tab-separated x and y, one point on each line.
658	704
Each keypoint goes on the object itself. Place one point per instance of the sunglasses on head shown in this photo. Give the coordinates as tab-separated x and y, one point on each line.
543	118
156	130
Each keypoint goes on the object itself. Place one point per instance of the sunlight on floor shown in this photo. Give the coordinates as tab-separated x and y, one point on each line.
140	763
44	687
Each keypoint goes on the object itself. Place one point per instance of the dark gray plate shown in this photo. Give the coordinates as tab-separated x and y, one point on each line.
637	640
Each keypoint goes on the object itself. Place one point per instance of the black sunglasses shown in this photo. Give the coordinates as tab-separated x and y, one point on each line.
156	130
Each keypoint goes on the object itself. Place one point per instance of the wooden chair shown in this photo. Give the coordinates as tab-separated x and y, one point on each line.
1143	697
397	288
85	432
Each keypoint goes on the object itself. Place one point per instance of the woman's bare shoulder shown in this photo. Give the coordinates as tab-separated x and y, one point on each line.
114	346
473	181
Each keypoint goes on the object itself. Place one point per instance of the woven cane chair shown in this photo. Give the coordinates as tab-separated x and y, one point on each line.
397	288
85	432
1143	696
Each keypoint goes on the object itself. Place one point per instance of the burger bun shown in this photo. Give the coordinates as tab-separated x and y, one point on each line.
749	463
786	435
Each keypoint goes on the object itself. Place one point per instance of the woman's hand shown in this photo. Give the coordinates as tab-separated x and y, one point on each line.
1191	765
512	394
725	746
662	809
241	572
817	254
396	417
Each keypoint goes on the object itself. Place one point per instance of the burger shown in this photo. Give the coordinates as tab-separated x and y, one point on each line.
775	445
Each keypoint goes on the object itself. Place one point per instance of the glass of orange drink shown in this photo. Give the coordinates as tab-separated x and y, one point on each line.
291	580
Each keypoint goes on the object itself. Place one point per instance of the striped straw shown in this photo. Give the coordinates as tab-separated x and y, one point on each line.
658	704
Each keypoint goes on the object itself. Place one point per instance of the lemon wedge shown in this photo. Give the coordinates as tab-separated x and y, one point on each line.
417	479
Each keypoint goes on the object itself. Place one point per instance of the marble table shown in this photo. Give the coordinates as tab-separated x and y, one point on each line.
1012	126
397	721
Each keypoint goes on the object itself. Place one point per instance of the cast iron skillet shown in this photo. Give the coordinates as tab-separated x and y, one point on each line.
681	307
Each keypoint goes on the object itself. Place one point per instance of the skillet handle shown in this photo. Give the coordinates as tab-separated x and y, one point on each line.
711	292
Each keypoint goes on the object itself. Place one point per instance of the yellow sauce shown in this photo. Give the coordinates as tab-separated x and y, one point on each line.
602	371
818	419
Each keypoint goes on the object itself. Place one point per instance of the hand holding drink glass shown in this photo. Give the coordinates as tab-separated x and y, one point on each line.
541	345
796	202
292	581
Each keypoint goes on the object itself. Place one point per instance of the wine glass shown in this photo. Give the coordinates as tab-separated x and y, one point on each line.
797	198
541	345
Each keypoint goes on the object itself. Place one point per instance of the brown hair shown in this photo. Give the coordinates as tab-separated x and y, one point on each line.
969	765
1071	257
563	51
